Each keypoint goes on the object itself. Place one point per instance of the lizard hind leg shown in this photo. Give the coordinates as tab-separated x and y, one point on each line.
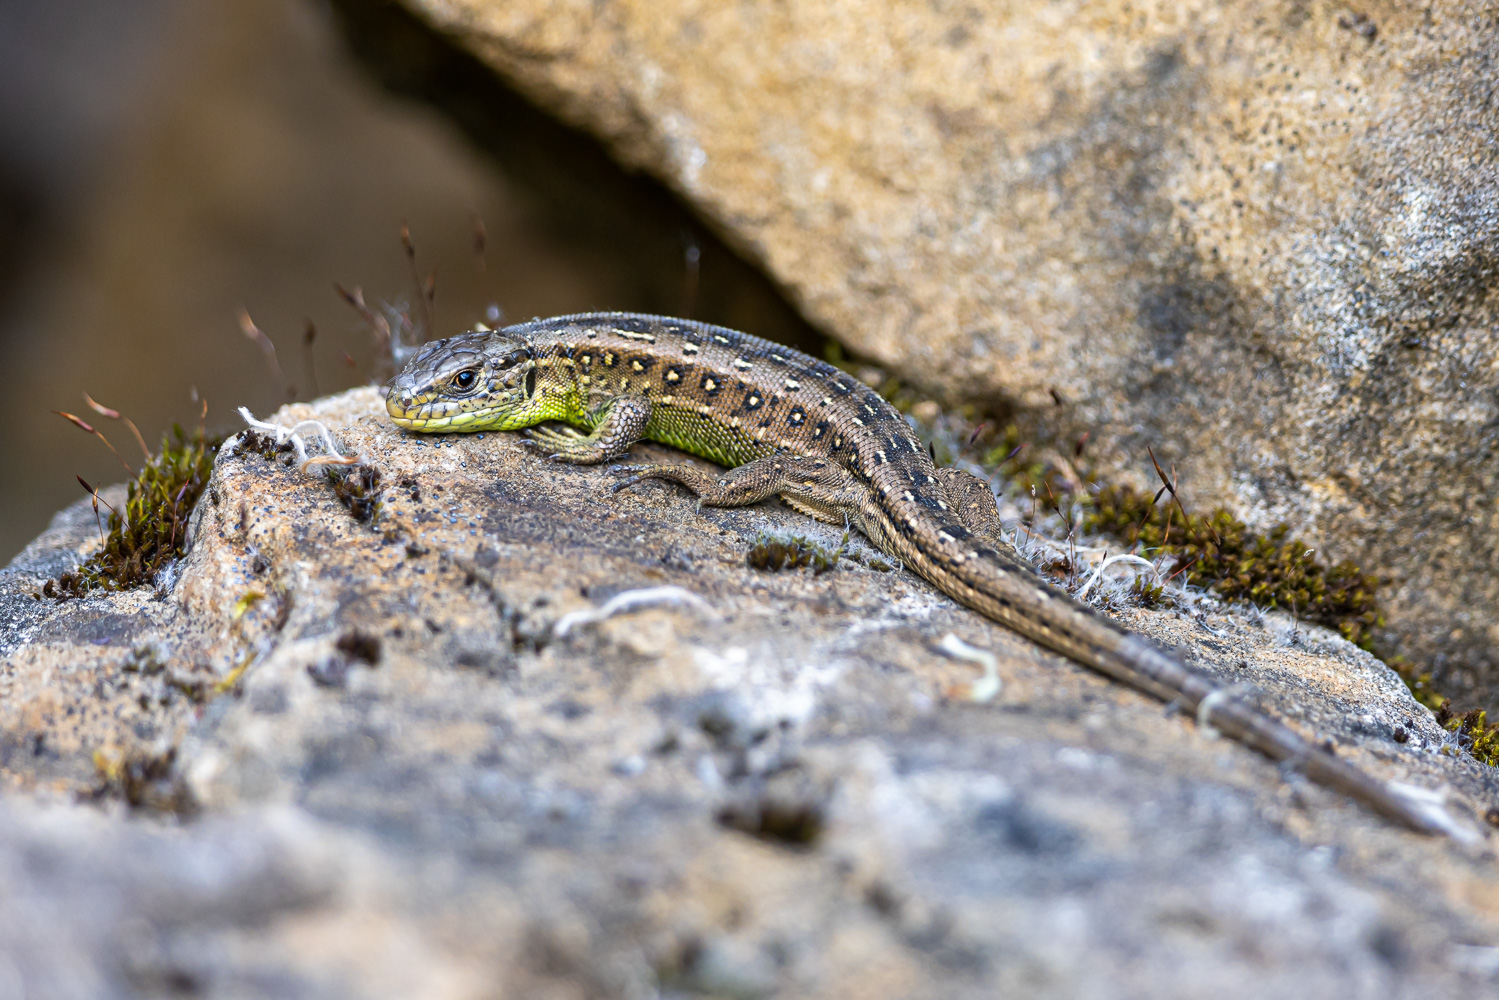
821	513
697	481
811	485
975	504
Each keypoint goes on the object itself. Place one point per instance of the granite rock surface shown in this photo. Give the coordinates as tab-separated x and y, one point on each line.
472	748
1259	237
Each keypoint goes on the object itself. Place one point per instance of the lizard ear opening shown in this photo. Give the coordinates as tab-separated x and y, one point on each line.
531	383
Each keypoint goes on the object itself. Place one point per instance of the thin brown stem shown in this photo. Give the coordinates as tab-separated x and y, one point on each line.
105	411
384	338
257	336
93	492
309	334
84	425
422	289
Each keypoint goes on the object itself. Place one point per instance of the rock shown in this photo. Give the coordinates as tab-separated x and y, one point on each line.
400	775
1259	238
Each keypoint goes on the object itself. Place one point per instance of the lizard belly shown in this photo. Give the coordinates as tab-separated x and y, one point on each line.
705	436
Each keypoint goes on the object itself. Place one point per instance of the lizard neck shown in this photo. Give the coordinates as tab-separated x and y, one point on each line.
560	391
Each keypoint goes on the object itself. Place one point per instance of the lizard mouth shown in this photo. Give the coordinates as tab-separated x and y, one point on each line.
437	414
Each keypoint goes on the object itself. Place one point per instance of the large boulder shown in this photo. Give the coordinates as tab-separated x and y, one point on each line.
1259	237
454	751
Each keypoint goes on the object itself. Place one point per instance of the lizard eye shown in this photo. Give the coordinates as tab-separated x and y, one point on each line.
465	379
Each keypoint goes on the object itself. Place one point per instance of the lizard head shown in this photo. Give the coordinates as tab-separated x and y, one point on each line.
478	381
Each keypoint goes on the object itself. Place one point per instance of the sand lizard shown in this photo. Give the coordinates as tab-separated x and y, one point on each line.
786	424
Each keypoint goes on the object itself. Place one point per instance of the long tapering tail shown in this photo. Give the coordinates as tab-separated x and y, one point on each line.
1009	591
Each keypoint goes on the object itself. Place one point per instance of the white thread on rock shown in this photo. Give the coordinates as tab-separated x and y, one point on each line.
331	455
632	600
1109	561
987	687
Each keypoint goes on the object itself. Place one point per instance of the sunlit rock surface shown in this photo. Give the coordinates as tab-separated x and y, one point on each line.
420	783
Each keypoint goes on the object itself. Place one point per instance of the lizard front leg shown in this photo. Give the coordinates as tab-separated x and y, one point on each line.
617	424
811	485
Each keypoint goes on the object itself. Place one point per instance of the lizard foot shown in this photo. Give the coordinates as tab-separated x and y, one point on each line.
696	480
616	427
556	437
542	450
581	452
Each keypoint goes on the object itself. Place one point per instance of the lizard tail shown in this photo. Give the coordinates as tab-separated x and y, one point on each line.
1009	591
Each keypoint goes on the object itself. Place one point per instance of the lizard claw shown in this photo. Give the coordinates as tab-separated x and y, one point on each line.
635	474
540	448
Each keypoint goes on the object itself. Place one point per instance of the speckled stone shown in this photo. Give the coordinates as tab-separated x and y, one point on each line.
421	785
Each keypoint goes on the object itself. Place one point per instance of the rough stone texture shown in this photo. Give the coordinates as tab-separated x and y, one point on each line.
418	788
1260	237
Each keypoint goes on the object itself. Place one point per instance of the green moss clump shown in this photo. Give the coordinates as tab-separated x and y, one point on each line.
150	532
357	488
1473	732
1149	595
144	779
1220	552
255	443
1274	570
772	553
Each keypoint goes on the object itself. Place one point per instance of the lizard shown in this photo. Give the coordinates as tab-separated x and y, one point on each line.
586	387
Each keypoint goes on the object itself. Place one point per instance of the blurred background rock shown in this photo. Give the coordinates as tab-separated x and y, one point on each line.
165	162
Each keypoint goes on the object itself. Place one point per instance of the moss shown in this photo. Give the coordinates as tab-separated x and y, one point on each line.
1473	732
1275	570
150	532
793	822
144	779
1149	595
1220	552
253	442
773	553
357	488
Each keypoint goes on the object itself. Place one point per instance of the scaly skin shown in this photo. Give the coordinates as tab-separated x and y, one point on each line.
787	424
